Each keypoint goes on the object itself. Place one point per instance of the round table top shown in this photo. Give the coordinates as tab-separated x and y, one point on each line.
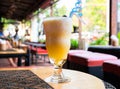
79	80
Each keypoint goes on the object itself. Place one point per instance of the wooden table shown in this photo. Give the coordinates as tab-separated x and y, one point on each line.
15	52
79	80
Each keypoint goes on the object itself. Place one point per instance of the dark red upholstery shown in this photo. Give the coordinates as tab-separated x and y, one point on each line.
111	72
112	66
88	58
89	62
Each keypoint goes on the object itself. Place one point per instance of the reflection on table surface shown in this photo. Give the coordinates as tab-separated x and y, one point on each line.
79	80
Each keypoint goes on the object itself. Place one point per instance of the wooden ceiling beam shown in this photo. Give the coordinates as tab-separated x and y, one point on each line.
23	8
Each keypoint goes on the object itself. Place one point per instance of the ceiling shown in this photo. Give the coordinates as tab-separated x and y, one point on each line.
21	9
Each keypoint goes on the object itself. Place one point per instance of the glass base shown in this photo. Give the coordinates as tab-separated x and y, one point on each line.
53	79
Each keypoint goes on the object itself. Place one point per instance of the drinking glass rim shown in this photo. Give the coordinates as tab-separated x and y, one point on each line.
56	18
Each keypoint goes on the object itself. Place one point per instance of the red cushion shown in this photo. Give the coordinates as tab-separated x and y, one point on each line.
88	58
42	52
35	49
112	66
38	50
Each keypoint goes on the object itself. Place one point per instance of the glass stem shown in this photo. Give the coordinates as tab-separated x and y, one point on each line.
58	75
57	70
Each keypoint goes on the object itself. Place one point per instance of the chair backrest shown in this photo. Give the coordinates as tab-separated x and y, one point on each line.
113	50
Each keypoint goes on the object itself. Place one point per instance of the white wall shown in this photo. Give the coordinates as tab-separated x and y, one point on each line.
34	30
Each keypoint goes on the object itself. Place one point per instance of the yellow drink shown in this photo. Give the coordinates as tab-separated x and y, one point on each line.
58	32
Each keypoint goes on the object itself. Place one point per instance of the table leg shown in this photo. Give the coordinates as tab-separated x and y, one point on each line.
19	61
27	60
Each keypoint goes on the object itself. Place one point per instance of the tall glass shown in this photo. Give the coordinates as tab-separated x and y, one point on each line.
58	33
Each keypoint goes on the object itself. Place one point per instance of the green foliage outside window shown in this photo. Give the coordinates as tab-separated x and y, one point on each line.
100	41
74	44
118	35
94	13
59	11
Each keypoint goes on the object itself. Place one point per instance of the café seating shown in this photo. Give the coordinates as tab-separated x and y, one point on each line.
113	50
111	72
38	52
89	62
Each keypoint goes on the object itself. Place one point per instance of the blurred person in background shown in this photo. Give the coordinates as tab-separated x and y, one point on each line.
27	36
4	45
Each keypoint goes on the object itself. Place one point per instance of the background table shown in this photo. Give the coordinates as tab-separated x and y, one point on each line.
35	44
16	53
79	80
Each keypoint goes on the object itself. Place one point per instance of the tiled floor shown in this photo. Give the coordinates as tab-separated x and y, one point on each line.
40	62
4	63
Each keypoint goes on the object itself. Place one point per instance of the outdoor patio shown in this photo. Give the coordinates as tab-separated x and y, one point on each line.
86	33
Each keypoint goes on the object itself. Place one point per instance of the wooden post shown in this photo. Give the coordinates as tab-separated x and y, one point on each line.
51	9
80	40
80	28
0	18
113	18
